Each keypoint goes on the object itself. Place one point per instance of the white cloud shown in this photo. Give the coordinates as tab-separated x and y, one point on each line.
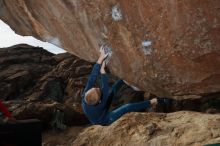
9	38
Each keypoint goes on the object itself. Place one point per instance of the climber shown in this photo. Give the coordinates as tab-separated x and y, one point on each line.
96	101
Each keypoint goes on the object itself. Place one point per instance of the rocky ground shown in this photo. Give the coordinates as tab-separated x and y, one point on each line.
37	84
61	138
155	129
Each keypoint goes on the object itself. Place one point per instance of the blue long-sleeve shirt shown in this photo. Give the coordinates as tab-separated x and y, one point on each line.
96	113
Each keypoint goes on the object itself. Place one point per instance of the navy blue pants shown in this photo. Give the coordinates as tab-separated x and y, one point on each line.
112	116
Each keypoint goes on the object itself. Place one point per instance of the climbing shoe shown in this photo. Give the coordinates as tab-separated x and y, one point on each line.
164	105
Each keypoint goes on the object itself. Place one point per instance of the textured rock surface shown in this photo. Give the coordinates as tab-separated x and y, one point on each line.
32	73
184	57
135	129
36	83
65	138
20	68
46	112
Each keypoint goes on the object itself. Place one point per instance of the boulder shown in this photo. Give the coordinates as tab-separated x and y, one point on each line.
168	47
157	129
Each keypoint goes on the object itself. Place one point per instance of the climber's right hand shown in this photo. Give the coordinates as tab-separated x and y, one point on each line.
102	56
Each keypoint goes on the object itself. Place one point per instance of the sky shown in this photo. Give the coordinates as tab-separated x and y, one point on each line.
9	38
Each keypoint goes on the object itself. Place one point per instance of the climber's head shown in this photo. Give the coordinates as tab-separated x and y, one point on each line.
92	96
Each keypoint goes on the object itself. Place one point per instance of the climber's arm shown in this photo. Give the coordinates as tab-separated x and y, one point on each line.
95	71
92	77
116	87
105	87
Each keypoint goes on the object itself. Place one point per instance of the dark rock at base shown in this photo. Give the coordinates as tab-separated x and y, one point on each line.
46	112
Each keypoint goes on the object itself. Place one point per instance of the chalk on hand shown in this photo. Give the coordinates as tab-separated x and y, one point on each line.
108	51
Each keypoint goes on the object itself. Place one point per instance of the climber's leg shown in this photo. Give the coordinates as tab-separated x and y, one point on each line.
113	91
132	107
133	87
164	105
116	87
